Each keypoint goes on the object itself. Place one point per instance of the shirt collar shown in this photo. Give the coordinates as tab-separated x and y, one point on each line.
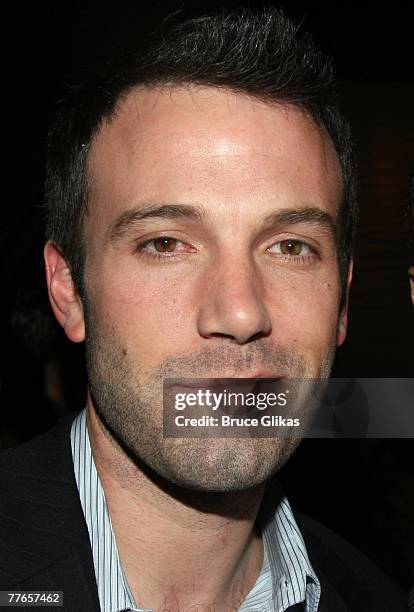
292	578
113	591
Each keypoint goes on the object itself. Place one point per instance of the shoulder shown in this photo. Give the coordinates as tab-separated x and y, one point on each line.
37	472
44	539
41	515
43	456
344	569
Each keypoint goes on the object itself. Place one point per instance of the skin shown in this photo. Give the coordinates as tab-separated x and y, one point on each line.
228	296
411	276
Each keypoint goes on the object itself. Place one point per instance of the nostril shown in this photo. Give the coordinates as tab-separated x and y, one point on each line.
258	335
239	339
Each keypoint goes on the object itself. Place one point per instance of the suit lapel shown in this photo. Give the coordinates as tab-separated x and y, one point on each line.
330	598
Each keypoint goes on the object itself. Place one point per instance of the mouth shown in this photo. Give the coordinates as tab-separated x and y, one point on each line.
238	382
235	396
217	382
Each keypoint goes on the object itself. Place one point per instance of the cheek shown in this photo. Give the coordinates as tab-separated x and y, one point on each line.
305	312
149	317
155	316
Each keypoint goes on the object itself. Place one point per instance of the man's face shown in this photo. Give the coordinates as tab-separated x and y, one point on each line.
211	252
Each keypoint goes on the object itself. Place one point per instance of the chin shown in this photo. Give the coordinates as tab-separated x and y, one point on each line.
225	465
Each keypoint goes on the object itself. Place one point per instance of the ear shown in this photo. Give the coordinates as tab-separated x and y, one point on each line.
411	275
343	315
64	298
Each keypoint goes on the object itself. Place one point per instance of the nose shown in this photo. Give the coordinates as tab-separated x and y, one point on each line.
233	304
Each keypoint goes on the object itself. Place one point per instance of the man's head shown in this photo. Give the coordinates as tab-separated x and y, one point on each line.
410	217
210	195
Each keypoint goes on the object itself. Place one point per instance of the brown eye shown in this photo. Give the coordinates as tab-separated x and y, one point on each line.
164	244
291	247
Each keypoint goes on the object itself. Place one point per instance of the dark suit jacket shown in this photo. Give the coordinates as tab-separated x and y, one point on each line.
44	542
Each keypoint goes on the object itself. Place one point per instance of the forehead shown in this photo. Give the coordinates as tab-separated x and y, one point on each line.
210	145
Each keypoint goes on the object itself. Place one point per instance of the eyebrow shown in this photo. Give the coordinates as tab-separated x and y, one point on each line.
132	218
308	216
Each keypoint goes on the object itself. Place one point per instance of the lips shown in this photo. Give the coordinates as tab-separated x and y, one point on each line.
251	385
231	396
219	384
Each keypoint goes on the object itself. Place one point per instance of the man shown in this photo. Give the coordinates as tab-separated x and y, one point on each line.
201	214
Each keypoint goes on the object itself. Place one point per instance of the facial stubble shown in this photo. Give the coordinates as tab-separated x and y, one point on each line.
128	399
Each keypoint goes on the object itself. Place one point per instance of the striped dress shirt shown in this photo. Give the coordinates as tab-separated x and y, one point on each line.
287	581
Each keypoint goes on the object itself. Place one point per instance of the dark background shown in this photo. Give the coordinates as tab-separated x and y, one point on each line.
361	488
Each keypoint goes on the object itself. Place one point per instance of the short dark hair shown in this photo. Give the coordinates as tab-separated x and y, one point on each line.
258	53
410	220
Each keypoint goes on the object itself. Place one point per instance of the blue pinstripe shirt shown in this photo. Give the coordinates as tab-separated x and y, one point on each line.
287	577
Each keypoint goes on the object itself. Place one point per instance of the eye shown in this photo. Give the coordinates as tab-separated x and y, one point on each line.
163	244
292	248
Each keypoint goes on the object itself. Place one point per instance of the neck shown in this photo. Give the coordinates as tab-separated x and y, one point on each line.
170	539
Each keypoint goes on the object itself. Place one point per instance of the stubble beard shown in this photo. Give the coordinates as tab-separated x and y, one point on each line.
127	398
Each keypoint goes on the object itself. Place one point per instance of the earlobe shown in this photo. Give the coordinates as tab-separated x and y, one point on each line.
63	295
343	317
411	275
